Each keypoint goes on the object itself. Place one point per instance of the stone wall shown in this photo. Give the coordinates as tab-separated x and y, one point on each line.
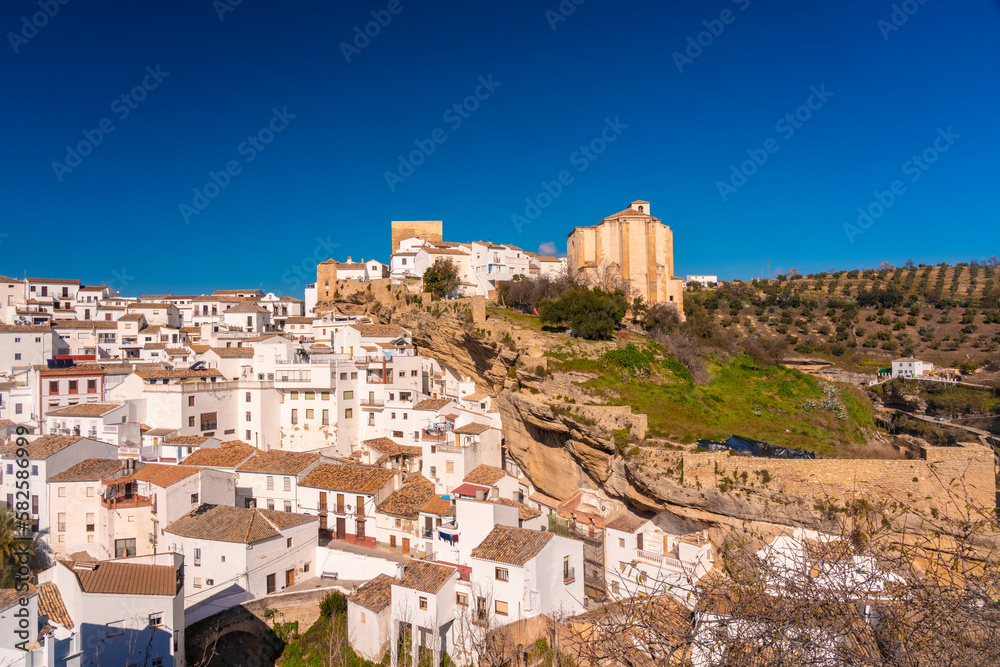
428	230
919	483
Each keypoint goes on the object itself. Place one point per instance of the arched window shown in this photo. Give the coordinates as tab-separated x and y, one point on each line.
640	209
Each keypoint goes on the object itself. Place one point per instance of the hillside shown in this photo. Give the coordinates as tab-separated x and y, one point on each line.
949	315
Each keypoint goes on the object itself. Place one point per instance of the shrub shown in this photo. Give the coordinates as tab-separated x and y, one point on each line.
333	603
593	314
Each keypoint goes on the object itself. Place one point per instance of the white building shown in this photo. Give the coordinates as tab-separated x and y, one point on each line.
424	603
12	297
369	613
47	455
641	559
272	477
908	367
704	280
24	346
235	554
345	497
113	612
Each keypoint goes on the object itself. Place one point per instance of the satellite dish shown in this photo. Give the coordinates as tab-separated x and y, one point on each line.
100	492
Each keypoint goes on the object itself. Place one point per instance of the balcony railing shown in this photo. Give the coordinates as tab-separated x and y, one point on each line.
126	501
659	560
569	575
434	436
372	403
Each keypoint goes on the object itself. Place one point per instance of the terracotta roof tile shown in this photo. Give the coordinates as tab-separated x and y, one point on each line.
178	374
240	525
50	603
351	478
437	505
83	324
432	404
247	307
85	410
44	446
186	440
390	447
484	474
376	595
380	330
478	396
114	578
514	546
234	352
524	512
27	328
427	577
472	428
279	462
408	500
164	475
222	457
89	470
626	522
10	596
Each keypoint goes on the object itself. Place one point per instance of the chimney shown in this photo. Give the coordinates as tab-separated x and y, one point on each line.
480	494
348	259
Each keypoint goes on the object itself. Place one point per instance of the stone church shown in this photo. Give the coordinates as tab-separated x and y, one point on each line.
630	247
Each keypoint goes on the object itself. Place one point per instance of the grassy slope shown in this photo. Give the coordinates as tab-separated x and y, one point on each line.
765	403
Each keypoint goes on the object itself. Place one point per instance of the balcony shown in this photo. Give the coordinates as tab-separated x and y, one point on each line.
569	575
659	560
433	434
379	378
126	501
372	403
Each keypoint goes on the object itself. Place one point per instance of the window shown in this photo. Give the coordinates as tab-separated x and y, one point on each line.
197	582
288	543
354	375
310	395
53	387
399	523
191	421
194	498
423	604
91	386
190	401
402	374
270	504
124	548
362	618
305	568
156	619
288	508
310	413
248	436
392	415
270	483
34	471
17	356
502	574
288	483
614	587
62	490
197	557
348	413
157	662
326	418
397	434
463	599
621	542
293	395
249	417
248	397
413	374
209	421
61	519
404	416
223	559
343	376
324	395
295	416
73	384
90	492
501	608
210	582
90	522
449	466
348	395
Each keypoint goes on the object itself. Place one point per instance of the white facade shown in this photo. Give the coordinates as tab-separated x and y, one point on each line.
24	346
910	367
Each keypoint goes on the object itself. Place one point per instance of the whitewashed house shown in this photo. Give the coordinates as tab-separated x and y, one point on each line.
424	602
345	497
369	614
273	478
908	367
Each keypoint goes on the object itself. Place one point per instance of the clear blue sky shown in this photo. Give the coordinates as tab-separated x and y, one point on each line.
680	125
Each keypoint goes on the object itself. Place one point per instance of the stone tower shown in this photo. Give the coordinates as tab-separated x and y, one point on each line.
428	230
630	247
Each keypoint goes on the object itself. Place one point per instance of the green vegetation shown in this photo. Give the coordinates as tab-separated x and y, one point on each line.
730	402
325	642
592	313
441	278
947	399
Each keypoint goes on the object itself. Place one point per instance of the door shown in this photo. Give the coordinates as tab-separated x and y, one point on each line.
360	506
406	545
322	510
340	503
289	578
271	587
392	541
322	521
341	527
360	530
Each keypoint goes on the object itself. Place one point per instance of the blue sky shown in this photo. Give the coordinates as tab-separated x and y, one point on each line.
309	128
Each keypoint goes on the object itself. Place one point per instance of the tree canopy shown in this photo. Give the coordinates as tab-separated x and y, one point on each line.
593	314
441	278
